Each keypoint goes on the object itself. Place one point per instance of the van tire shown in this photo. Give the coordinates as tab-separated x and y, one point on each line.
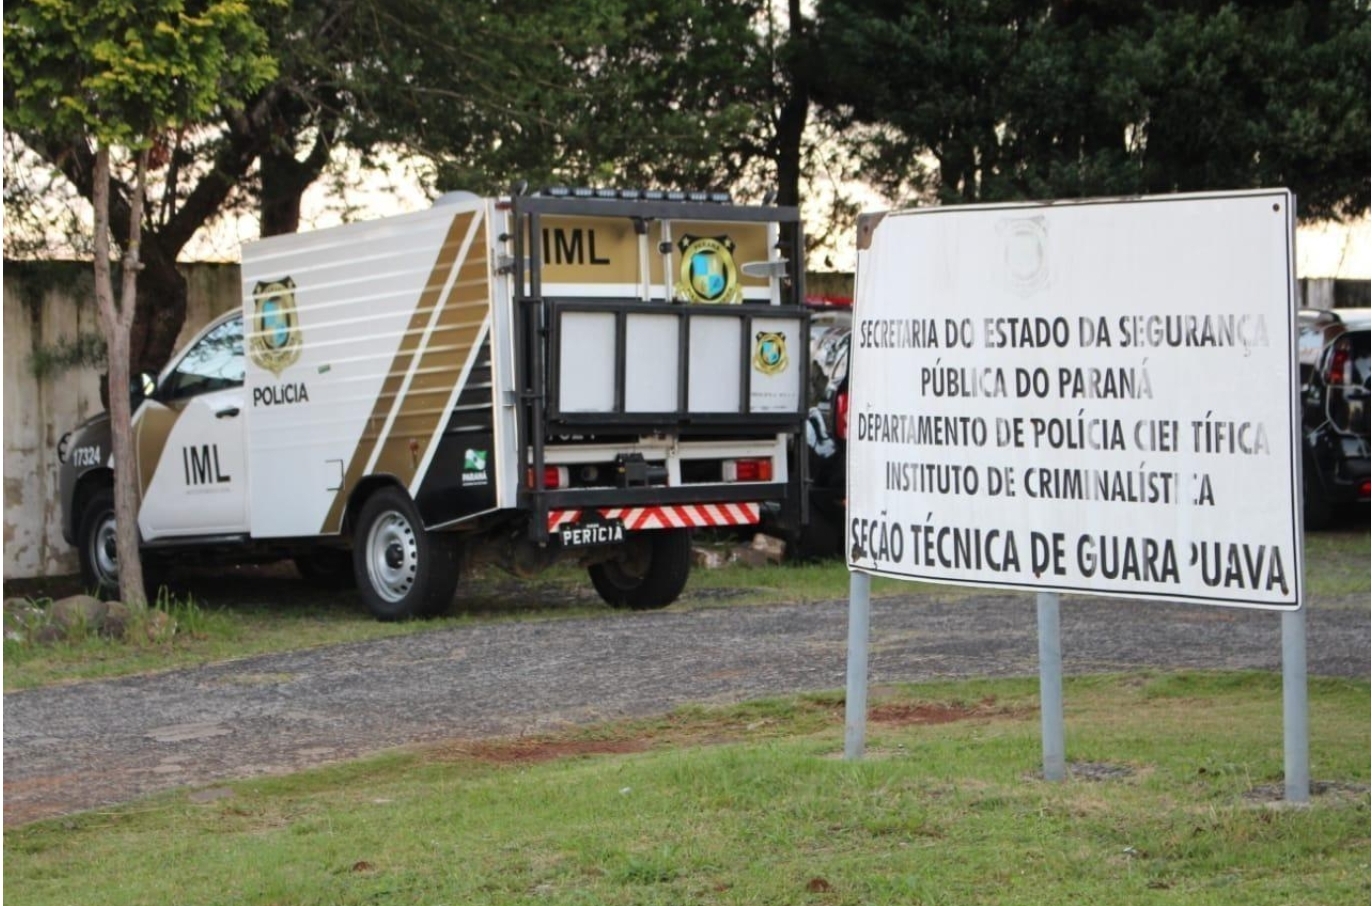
649	573
402	570
99	563
95	545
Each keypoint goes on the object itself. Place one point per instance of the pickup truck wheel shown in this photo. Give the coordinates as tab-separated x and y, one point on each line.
99	562
99	559
650	573
402	570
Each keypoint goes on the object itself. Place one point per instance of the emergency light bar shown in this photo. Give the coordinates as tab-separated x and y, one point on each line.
711	197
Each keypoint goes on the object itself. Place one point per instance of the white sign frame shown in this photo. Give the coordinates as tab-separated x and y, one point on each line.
1194	487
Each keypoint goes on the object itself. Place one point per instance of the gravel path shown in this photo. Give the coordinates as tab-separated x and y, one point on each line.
78	747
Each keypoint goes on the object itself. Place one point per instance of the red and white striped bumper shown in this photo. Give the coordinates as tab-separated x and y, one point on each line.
694	515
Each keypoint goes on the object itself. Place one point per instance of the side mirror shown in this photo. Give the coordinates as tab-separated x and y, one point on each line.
141	386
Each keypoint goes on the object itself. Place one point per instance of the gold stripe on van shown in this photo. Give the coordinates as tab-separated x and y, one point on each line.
424	408
410	342
150	440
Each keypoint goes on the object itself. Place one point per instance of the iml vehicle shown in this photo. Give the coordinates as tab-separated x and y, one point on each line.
582	373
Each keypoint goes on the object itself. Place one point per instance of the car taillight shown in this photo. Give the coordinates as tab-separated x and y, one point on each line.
1337	373
747	470
554	477
1365	490
841	416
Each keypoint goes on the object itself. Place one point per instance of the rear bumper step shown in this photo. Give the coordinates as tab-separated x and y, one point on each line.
696	515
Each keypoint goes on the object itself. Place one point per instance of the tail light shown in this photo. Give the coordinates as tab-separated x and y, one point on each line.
1339	359
841	416
554	477
1365	490
747	470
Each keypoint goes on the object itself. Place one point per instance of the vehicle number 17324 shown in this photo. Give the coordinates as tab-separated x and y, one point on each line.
86	456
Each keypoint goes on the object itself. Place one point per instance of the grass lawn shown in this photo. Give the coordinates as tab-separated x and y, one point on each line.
1172	798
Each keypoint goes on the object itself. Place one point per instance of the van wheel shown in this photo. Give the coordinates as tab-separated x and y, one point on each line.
650	571
95	537
402	570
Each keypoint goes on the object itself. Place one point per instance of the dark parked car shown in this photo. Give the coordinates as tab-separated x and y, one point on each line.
1334	365
826	433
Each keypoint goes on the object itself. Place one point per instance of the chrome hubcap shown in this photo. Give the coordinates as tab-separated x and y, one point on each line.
392	556
106	558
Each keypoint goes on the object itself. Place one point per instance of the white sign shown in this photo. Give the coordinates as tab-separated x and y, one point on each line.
1080	397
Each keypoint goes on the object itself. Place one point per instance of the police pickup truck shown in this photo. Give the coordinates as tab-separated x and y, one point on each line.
590	373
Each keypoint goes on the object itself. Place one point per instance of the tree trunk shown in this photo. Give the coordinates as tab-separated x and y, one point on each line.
116	323
285	179
161	310
281	191
795	108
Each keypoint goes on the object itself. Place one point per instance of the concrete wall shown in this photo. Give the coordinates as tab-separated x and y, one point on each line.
1327	292
50	303
47	304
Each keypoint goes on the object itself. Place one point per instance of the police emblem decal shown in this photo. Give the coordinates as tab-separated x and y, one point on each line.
274	341
769	352
708	273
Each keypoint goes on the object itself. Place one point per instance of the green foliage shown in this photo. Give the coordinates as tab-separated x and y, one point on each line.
612	92
124	71
679	100
984	100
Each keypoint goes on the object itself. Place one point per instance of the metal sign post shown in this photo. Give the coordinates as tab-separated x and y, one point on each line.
855	706
1295	706
1050	687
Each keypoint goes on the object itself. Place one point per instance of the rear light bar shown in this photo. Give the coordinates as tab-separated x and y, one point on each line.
554	477
1365	490
747	470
